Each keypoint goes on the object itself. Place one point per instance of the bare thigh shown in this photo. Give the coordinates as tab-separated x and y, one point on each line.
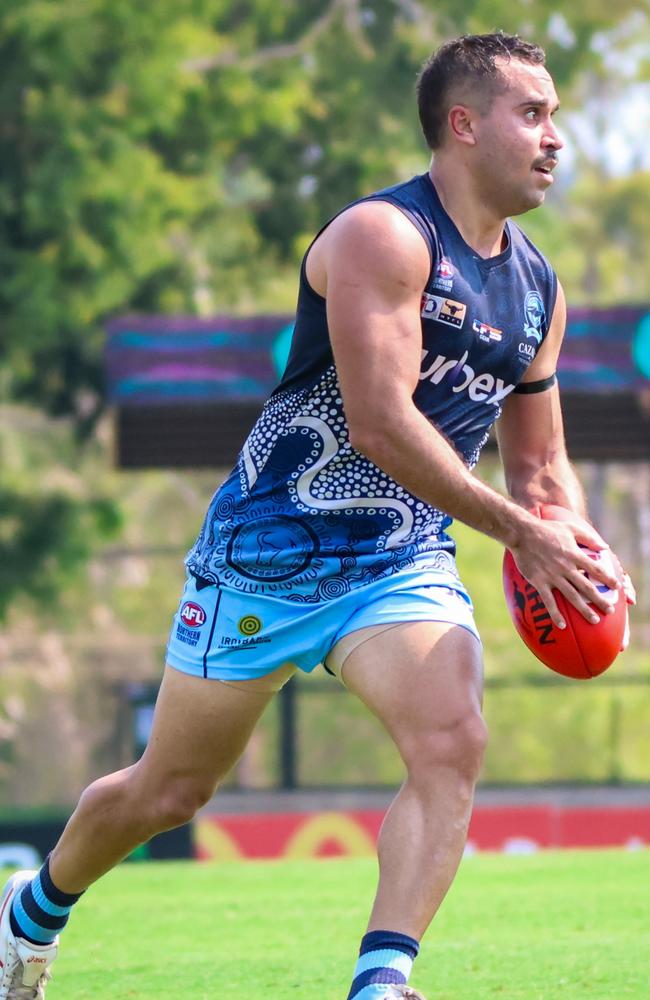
418	678
201	727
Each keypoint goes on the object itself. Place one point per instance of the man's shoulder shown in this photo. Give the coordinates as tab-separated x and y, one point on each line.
379	231
375	214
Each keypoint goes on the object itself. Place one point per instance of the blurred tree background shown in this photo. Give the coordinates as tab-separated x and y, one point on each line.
178	157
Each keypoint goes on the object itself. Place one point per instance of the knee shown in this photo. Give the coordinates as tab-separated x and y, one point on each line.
133	799
174	804
458	746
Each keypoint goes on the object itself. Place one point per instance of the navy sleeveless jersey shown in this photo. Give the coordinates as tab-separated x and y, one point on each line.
303	515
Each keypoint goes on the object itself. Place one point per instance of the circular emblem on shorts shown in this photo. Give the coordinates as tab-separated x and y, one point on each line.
192	615
249	625
277	547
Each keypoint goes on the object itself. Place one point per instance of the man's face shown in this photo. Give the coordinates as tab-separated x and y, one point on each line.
516	140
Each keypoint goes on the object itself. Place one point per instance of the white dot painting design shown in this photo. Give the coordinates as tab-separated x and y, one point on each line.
333	477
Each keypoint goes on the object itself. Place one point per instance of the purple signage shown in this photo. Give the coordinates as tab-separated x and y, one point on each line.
177	359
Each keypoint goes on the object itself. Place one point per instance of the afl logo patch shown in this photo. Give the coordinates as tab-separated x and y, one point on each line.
249	625
192	615
444	277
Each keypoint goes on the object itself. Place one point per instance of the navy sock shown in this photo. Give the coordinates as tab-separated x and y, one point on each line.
385	958
40	910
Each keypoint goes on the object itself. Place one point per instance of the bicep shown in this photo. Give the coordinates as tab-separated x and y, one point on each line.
377	266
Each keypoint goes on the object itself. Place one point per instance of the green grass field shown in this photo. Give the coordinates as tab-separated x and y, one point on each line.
551	926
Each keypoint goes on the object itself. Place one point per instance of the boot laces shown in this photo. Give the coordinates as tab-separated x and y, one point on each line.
16	989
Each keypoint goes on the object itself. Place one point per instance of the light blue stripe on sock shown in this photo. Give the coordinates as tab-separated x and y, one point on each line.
44	903
373	992
386	959
27	925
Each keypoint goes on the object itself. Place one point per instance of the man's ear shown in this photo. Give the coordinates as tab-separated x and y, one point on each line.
460	121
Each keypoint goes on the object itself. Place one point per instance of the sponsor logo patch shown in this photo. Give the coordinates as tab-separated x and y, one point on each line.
483	387
486	332
249	625
444	310
235	642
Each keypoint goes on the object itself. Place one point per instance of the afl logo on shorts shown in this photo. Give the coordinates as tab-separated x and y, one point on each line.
192	615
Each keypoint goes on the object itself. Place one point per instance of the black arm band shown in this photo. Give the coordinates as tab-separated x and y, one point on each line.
539	386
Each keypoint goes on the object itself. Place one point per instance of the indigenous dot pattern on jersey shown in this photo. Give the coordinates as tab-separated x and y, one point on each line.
306	517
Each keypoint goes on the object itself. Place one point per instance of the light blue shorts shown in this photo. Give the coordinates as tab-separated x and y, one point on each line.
222	634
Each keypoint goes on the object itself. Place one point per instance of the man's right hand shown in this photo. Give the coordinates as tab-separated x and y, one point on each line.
550	556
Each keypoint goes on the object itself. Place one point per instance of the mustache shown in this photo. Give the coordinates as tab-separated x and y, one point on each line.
550	159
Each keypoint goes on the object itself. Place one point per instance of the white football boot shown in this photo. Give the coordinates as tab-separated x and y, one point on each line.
402	993
24	967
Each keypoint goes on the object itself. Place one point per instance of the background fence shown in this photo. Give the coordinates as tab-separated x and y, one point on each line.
544	730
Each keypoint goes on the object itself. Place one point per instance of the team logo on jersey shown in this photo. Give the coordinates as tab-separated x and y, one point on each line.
192	615
444	310
444	276
534	315
486	332
271	548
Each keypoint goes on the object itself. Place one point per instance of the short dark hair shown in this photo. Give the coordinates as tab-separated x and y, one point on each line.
464	63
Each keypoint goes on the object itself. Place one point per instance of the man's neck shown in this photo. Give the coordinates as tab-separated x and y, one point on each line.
480	227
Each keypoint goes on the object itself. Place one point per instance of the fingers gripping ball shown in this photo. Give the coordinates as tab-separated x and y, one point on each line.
581	650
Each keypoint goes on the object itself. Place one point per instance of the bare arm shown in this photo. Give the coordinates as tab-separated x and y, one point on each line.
376	266
530	433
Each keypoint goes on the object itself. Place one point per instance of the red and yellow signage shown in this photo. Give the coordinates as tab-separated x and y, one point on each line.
513	829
